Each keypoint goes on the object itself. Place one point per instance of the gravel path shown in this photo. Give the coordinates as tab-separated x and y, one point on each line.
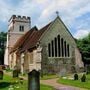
57	86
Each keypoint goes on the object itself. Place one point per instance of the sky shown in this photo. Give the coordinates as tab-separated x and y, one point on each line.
74	13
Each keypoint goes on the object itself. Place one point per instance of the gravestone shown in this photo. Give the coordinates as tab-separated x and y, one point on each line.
1	73
34	80
15	72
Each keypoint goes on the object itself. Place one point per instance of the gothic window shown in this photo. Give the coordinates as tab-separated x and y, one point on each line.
59	52
49	50
55	47
68	54
58	48
52	48
65	48
62	48
21	28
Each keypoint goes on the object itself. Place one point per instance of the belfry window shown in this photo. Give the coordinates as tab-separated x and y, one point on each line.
21	28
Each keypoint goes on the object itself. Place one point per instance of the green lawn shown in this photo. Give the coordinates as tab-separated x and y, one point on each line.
9	82
76	83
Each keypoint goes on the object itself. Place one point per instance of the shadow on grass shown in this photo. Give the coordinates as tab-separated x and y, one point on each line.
4	84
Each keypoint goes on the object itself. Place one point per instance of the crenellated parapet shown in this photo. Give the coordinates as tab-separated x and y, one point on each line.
19	18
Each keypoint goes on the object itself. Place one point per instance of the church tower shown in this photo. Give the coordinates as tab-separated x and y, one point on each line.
18	26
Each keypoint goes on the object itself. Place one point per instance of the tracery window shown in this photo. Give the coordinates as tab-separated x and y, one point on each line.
58	47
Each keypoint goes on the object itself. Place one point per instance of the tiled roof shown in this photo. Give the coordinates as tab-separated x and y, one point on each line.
29	39
33	39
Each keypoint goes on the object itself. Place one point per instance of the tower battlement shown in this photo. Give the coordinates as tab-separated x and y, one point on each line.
18	17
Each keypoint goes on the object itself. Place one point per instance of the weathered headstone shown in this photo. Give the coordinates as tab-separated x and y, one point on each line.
34	80
75	76
1	73
15	73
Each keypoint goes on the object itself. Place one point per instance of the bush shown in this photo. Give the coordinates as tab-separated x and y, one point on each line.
75	76
83	78
1	75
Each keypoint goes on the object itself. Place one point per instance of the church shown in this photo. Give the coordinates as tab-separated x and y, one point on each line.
51	49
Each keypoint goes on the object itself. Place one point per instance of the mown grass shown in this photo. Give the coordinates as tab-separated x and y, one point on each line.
9	82
76	83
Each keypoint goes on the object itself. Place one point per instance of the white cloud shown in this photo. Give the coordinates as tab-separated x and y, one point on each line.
81	33
69	10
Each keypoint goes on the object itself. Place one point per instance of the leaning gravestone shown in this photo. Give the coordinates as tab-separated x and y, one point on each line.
1	73
34	80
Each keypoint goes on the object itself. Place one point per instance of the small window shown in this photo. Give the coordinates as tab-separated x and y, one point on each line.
21	28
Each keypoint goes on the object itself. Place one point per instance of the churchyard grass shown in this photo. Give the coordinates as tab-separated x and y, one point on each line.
76	83
8	83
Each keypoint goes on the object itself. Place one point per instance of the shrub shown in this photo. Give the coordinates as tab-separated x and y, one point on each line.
83	78
1	75
75	76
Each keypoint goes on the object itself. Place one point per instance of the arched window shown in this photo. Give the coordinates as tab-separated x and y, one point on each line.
59	46
55	47
52	45
65	51
62	48
49	50
68	54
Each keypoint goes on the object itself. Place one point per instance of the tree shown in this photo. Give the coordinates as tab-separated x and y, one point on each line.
84	46
2	46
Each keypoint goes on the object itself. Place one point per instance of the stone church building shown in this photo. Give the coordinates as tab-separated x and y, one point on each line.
51	49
